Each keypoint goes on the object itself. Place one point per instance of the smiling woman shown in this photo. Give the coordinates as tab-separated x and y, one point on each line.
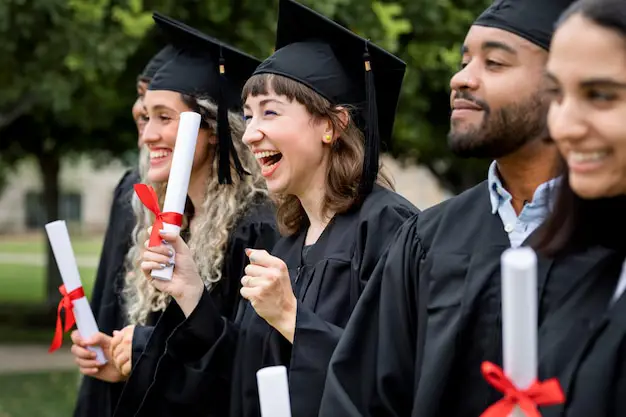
317	145
587	77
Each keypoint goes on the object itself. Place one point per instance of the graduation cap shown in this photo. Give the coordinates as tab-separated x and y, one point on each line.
533	20
157	61
202	66
340	66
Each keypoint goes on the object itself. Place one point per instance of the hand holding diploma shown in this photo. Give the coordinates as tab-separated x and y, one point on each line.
518	382
186	286
170	219
86	359
73	303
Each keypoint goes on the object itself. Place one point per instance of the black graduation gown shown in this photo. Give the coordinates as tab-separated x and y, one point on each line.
97	398
431	314
206	365
594	381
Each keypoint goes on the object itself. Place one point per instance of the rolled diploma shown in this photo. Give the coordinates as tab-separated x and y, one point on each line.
274	392
66	262
519	317
178	182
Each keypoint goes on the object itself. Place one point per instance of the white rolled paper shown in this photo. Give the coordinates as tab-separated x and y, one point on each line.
66	262
274	392
519	317
178	181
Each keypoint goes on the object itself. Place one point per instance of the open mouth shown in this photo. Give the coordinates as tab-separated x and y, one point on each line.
268	158
269	161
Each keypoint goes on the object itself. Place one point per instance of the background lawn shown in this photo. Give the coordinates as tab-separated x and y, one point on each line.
45	394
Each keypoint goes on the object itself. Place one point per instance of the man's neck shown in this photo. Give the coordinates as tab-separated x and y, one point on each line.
525	170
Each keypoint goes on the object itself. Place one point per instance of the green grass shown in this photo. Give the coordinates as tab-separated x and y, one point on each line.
26	283
47	394
82	245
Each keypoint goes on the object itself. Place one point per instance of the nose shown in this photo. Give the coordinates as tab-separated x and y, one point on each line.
566	121
252	134
150	133
464	79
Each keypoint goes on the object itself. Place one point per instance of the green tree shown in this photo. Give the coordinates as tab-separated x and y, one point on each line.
61	62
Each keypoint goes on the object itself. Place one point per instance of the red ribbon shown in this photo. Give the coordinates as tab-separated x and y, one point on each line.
149	199
539	393
66	303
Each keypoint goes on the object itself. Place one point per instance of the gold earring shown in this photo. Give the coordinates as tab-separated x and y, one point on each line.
327	138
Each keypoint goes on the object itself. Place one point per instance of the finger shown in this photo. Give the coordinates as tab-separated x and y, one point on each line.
178	244
161	250
76	339
98	339
121	349
263	258
89	371
87	363
82	353
249	293
254	270
156	257
147	267
121	360
126	368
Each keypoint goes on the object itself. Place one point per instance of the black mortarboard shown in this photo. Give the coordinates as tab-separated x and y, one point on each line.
205	67
533	20
340	66
157	62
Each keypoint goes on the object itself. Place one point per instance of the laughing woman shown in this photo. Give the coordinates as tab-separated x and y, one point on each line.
587	70
314	123
228	210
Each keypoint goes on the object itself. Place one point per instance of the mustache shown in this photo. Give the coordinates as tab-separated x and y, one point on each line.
465	95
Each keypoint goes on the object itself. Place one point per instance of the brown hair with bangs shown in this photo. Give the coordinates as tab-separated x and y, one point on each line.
345	164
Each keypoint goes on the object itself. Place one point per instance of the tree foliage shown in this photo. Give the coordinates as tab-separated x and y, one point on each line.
69	68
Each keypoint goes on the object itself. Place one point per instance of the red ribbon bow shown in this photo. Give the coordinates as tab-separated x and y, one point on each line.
539	393
149	199
66	303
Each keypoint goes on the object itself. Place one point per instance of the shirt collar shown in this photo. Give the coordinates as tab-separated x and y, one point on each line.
498	195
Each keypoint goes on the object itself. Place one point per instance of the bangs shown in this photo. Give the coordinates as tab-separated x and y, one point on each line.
263	84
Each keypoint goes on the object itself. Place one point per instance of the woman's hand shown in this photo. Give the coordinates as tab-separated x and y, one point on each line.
268	288
186	286
122	349
86	359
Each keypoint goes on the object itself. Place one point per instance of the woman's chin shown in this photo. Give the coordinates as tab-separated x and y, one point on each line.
157	175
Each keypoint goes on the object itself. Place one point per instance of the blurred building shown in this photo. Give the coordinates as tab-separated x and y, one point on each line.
87	190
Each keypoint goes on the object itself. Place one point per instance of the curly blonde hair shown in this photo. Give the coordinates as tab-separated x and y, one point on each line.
223	205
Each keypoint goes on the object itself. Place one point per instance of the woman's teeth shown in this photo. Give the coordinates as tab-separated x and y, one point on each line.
265	158
159	154
587	156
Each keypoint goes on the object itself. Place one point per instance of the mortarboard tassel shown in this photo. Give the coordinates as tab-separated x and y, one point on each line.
225	146
372	139
223	130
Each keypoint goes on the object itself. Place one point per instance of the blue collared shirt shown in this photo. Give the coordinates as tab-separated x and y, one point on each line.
532	215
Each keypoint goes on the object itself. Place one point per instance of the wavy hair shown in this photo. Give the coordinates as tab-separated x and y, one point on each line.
210	230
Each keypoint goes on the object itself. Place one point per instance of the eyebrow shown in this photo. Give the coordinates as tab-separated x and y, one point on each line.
602	82
592	82
264	102
489	45
161	107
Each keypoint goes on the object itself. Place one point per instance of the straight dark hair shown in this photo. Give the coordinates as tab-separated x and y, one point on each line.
575	222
